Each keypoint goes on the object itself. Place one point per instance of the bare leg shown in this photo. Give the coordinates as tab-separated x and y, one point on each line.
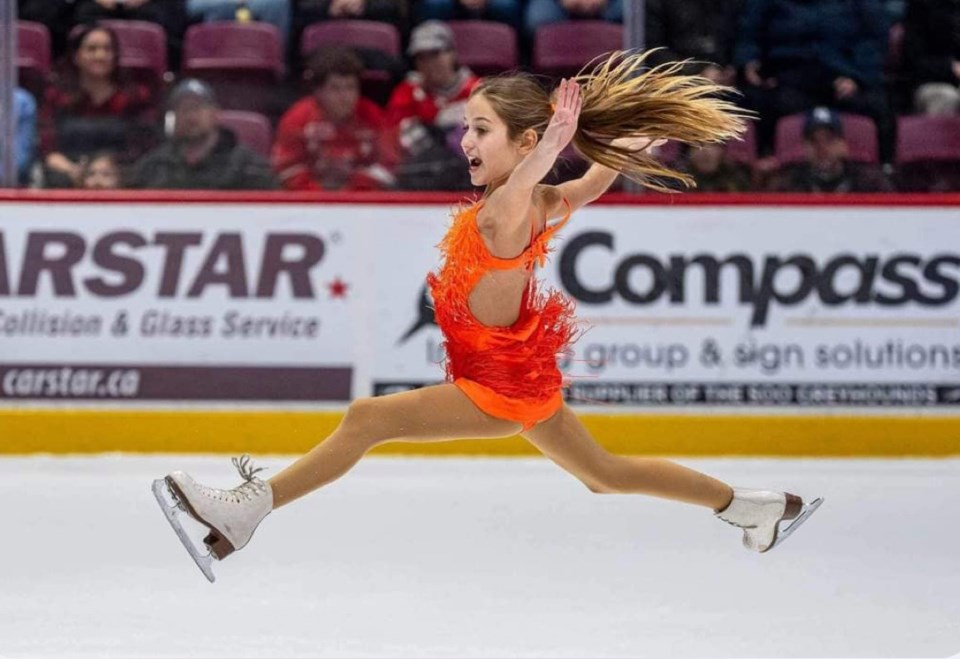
430	414
563	439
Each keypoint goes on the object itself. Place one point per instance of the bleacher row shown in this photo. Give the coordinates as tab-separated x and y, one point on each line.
243	60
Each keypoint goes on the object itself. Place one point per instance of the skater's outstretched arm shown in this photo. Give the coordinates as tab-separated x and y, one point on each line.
595	181
507	208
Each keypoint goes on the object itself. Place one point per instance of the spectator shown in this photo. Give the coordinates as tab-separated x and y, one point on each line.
101	172
276	12
199	153
827	167
502	11
796	54
427	108
544	12
931	44
701	30
334	139
712	171
25	133
92	108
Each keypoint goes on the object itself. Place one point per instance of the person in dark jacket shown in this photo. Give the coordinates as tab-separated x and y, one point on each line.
797	54
931	53
700	30
199	153
827	167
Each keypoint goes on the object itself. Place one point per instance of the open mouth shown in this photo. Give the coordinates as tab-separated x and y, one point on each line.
474	163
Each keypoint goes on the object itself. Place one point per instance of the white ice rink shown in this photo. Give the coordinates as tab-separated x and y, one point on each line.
481	557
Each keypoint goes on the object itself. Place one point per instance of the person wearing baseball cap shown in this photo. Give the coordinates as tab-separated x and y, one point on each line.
827	167
428	105
198	152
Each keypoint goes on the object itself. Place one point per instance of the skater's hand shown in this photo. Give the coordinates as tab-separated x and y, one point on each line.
563	124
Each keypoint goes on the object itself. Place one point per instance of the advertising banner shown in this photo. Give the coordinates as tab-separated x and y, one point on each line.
135	302
704	306
724	306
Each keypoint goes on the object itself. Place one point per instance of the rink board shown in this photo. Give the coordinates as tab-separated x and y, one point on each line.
712	326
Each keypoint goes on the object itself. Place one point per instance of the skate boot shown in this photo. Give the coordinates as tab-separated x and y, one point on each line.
231	515
759	513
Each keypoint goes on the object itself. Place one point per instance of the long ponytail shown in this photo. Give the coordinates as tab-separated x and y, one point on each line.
621	99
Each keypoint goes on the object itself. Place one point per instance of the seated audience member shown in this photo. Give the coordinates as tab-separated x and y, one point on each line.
25	134
334	139
275	12
931	53
544	12
827	167
92	108
712	171
101	172
199	153
427	107
501	11
797	54
699	30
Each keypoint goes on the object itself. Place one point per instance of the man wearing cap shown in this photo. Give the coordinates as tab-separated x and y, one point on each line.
436	91
427	107
827	167
198	152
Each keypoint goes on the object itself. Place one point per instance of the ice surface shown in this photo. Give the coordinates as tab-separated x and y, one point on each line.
481	557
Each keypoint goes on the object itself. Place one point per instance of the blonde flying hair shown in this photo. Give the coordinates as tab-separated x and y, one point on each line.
622	97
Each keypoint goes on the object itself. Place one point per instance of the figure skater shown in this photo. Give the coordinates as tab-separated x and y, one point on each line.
502	332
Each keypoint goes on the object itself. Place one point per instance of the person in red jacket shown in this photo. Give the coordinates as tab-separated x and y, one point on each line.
436	91
334	139
427	109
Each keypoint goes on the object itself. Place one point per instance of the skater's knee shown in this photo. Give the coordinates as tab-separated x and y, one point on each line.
360	421
604	476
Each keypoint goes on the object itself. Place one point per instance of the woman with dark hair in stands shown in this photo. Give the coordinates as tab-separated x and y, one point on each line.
90	107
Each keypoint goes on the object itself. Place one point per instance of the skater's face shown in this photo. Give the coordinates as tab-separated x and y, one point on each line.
491	153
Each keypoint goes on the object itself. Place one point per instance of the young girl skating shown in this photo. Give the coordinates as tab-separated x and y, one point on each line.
502	332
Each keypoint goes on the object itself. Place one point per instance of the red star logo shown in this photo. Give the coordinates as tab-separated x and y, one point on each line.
338	288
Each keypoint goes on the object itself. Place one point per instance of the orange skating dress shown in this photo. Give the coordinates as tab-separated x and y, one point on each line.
509	372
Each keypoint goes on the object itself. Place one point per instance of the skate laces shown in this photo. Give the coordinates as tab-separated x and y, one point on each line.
247	472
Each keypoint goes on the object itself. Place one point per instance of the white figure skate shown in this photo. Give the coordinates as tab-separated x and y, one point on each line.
759	513
231	515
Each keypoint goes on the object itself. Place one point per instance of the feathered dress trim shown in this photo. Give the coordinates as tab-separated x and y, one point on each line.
519	361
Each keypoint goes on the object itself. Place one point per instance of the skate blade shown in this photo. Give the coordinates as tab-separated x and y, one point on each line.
203	561
808	510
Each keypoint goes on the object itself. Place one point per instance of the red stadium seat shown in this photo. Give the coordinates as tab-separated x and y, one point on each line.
859	131
361	35
926	138
143	49
33	56
928	153
251	128
230	46
487	47
241	61
375	35
562	49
